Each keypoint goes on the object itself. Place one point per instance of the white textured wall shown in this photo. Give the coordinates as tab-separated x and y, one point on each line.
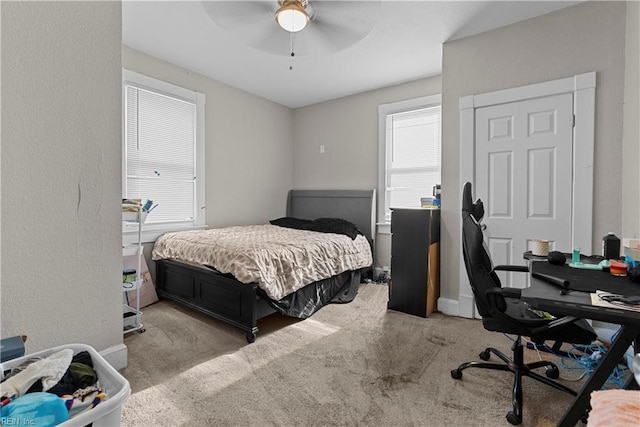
348	128
61	159
249	145
631	135
586	37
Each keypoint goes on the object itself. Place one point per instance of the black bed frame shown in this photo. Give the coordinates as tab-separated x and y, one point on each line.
238	304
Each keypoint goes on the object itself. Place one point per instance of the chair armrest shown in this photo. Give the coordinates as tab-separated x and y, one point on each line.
512	292
520	268
505	292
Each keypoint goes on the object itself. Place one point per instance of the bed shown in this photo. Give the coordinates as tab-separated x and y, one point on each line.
240	299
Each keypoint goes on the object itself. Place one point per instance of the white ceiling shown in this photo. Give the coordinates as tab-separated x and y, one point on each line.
238	42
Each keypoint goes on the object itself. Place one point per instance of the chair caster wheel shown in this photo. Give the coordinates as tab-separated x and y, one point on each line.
485	355
552	372
456	374
514	419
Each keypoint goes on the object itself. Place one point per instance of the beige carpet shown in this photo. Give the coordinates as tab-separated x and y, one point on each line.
355	364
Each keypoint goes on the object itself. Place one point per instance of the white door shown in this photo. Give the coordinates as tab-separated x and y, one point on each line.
524	176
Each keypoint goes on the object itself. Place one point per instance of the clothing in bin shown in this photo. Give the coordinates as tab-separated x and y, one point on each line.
51	389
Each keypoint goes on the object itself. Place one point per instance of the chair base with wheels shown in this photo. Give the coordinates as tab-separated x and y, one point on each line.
520	369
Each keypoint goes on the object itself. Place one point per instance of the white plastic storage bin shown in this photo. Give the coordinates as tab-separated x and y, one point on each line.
107	413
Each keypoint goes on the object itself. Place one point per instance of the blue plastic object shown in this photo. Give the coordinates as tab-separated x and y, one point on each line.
11	347
600	266
631	263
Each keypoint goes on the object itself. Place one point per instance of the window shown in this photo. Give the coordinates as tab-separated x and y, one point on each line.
163	152
409	153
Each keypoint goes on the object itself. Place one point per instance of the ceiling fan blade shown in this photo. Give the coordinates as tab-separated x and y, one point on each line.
250	22
348	13
275	41
239	15
337	25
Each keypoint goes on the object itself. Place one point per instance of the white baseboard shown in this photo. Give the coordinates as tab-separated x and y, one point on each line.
448	306
463	307
467	307
116	356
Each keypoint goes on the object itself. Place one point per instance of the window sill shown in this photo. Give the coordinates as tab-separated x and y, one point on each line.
151	232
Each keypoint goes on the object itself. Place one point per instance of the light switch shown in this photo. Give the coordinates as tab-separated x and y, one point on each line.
322	149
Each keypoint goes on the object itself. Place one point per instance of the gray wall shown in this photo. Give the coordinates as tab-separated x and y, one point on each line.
348	128
248	150
587	37
61	161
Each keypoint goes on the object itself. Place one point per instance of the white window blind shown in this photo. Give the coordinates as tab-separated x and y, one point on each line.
160	154
412	152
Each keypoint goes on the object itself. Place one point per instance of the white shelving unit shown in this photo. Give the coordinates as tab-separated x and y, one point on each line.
131	313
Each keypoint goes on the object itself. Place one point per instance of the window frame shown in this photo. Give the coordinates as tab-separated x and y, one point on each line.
151	232
384	226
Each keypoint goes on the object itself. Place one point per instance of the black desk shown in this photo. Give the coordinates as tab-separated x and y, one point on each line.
547	297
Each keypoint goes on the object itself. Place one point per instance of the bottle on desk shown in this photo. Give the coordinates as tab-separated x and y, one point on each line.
610	246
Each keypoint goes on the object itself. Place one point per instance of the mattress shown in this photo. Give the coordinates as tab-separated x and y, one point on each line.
279	260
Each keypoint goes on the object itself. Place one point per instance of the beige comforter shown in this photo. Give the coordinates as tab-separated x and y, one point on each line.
280	260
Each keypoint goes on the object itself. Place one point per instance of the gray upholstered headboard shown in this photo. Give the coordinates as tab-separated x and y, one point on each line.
357	206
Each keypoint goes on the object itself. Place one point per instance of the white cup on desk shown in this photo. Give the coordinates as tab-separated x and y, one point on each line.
540	247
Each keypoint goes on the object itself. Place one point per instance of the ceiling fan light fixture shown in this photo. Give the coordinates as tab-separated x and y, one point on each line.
292	16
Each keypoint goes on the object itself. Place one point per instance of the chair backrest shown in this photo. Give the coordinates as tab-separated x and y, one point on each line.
476	258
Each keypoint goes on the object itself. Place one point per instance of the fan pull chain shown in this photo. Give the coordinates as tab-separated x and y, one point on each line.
291	48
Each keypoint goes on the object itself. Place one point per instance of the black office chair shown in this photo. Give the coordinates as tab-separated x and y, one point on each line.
503	311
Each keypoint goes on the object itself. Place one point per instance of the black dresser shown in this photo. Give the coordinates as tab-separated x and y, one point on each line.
415	261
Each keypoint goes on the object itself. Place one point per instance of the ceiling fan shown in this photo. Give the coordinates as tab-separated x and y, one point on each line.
295	27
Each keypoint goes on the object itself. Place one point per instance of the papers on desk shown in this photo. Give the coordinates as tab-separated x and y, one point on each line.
610	300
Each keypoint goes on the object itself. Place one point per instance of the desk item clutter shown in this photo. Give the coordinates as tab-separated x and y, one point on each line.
558	281
588	280
540	247
610	246
629	302
632	248
575	255
602	265
556	258
618	268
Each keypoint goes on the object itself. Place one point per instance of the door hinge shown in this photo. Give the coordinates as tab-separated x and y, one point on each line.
573	124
